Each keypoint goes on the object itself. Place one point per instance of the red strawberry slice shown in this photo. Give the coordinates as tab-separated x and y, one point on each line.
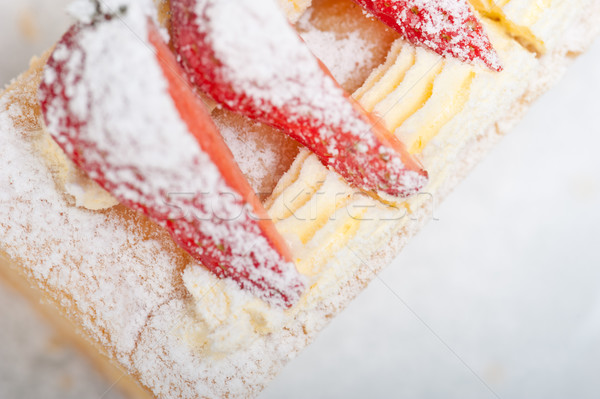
121	111
448	27
248	58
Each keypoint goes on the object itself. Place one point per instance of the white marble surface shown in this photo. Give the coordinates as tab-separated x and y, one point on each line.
499	297
28	27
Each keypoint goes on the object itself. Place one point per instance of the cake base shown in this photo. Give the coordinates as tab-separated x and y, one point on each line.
71	333
295	339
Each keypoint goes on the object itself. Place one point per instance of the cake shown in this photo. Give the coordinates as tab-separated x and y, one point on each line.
205	350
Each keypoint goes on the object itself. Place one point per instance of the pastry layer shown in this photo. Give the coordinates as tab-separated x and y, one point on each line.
173	326
126	383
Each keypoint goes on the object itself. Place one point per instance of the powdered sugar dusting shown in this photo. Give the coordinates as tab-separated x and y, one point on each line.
123	128
98	263
291	78
92	260
268	74
263	153
331	50
448	27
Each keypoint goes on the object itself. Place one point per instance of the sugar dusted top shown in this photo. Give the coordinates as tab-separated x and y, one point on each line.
448	27
106	101
270	75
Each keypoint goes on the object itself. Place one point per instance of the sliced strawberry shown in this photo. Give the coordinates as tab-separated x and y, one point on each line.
248	58
125	115
448	27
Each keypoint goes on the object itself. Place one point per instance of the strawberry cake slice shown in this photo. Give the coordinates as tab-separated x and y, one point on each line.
135	151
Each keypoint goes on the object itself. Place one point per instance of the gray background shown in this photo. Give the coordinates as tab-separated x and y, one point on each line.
499	297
